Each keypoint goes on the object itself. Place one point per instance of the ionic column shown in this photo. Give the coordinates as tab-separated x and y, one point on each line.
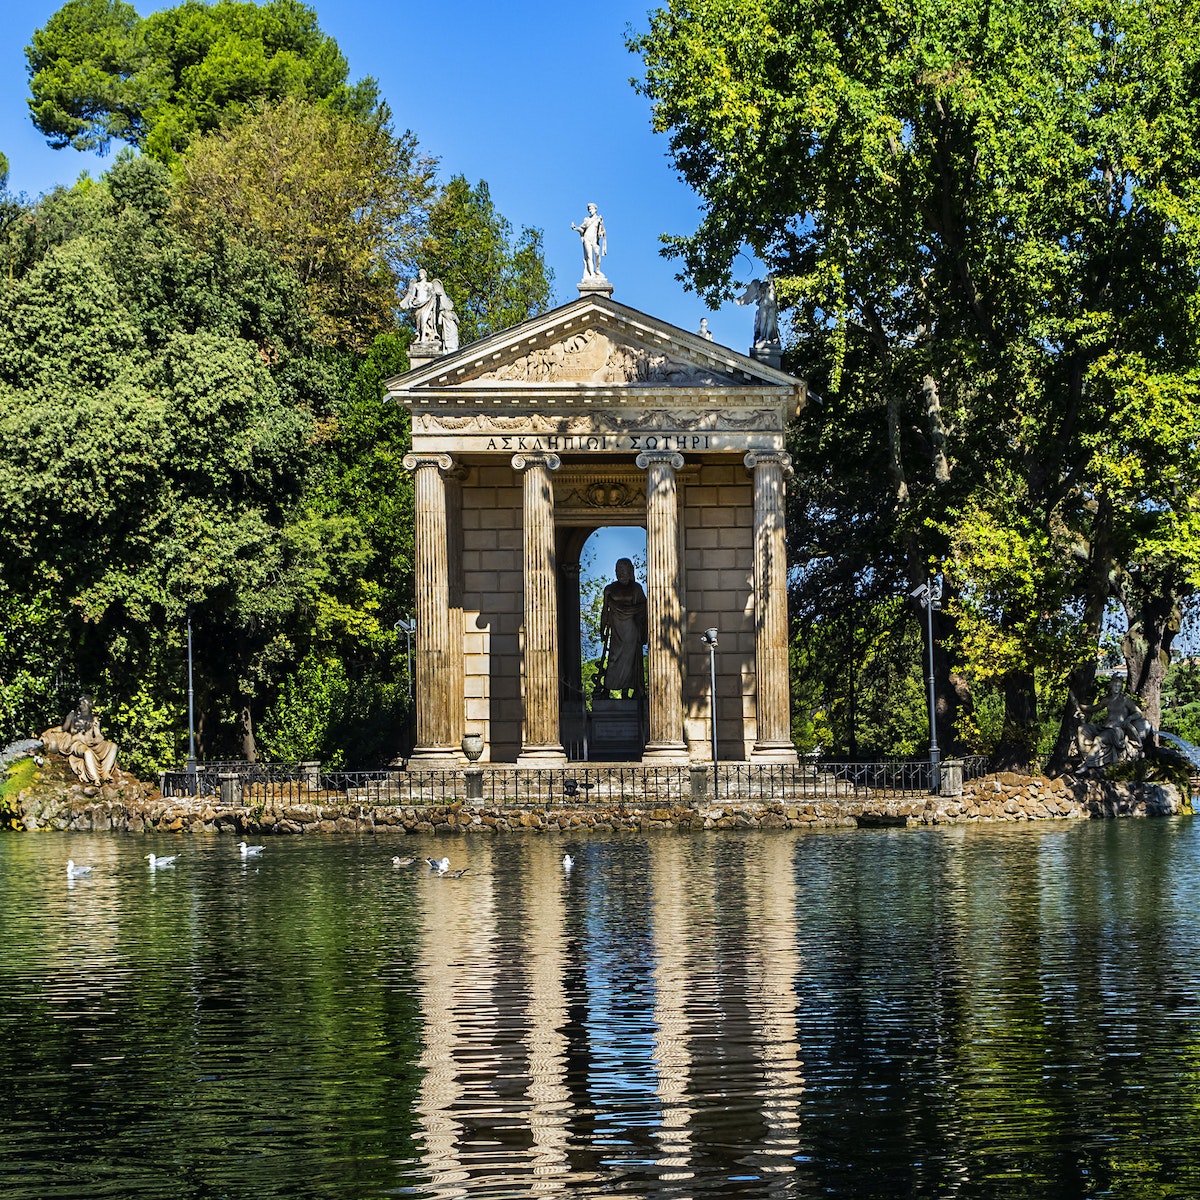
540	745
434	694
773	708
454	557
664	621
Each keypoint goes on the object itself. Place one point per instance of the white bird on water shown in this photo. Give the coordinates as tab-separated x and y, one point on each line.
167	861
74	872
568	862
440	865
249	851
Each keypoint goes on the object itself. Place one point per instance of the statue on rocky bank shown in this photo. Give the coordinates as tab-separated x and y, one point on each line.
1120	737
79	740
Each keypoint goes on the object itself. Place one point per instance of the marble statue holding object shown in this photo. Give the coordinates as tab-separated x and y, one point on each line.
595	243
623	630
1120	737
766	316
78	739
433	314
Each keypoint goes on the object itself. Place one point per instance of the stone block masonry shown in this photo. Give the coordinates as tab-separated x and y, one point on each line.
683	803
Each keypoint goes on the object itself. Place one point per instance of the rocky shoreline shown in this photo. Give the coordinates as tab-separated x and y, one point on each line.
52	799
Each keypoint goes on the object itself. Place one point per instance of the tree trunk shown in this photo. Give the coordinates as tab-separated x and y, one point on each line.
1081	683
246	734
1153	617
1018	740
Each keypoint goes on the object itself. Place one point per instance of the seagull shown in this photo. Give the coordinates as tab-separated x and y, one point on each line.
249	851
568	862
440	865
74	872
402	862
168	861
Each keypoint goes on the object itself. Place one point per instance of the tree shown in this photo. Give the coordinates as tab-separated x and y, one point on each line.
987	216
494	281
99	72
338	199
158	418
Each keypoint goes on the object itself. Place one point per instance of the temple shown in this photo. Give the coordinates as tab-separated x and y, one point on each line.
524	444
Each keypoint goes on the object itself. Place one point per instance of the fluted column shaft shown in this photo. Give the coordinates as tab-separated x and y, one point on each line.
664	616
773	709
434	697
540	744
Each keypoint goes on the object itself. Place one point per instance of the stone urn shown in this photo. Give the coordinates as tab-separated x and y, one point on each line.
472	746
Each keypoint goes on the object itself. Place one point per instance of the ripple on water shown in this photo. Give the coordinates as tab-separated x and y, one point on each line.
860	1013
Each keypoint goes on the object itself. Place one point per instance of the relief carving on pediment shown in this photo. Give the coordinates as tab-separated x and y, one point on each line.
593	356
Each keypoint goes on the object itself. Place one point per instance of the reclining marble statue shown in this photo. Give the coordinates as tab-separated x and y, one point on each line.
1120	737
623	632
79	739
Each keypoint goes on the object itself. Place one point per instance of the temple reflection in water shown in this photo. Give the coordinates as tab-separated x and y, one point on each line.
587	1051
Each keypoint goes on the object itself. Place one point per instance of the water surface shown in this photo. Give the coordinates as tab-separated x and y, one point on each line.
969	1012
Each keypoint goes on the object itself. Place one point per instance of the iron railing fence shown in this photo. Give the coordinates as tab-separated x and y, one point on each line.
582	784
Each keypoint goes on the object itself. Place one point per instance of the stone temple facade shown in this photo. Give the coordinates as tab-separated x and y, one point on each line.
526	442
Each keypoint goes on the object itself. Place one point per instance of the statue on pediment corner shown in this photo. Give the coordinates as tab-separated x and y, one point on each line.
766	317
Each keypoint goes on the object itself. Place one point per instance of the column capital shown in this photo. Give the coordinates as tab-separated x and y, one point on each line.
650	458
784	461
412	462
522	462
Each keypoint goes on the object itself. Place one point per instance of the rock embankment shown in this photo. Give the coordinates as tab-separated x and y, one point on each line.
52	799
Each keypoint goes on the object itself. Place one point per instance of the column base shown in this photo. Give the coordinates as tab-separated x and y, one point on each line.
549	755
435	758
774	752
666	752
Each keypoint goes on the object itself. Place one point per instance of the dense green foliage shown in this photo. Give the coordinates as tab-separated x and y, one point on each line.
338	200
494	280
192	420
984	222
100	72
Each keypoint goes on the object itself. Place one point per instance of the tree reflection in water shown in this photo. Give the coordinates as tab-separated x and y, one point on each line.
971	1012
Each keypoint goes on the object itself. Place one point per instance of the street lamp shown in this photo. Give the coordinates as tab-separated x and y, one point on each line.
409	628
192	771
709	638
928	596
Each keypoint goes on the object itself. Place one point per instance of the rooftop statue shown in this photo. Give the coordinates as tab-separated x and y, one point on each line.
766	317
595	243
432	312
80	741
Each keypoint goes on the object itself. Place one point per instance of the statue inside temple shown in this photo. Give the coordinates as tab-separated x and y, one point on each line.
623	632
79	740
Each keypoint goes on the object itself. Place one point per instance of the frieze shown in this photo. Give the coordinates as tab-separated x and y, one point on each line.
598	357
602	421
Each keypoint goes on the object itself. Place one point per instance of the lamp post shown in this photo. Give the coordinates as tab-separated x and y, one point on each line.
709	638
928	595
408	627
192	771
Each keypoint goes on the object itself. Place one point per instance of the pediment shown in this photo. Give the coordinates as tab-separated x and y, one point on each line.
592	343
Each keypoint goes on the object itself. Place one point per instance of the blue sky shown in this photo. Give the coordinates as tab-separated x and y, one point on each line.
534	97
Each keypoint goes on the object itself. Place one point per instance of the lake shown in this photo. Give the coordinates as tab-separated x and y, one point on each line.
986	1011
